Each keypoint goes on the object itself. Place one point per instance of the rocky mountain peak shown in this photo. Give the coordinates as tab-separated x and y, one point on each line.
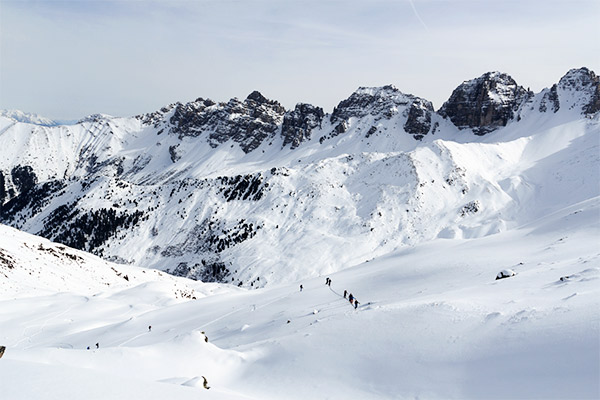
485	103
587	84
248	123
376	101
383	103
257	97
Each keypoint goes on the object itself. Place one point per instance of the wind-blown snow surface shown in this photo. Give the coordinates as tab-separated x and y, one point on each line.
432	323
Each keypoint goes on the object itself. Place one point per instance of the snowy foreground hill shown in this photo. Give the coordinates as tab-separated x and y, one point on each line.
433	322
249	193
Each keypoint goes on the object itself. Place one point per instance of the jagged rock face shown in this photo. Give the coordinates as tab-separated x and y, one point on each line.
550	100
3	192
299	123
383	103
587	83
247	122
418	122
380	102
485	103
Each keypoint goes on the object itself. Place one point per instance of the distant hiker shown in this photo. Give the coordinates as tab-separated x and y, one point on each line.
355	304
350	298
88	347
205	384
205	337
97	345
149	328
345	293
301	287
329	283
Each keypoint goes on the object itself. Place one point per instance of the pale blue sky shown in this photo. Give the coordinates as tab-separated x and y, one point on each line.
67	59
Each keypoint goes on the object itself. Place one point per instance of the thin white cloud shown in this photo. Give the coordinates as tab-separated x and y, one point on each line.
412	5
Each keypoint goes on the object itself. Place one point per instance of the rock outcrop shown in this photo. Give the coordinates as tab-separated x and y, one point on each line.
298	124
247	122
383	103
418	122
584	86
550	101
485	103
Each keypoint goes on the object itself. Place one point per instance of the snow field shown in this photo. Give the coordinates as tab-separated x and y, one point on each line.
433	323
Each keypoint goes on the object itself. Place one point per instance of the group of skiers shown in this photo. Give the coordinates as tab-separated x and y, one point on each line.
353	301
349	296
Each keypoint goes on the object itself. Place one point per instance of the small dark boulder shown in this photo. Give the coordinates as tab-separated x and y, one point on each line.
505	273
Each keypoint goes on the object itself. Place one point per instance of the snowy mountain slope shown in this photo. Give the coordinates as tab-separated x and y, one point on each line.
207	189
29	118
433	323
33	266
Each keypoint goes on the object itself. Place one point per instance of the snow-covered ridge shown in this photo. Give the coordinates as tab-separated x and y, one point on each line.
204	189
29	118
32	266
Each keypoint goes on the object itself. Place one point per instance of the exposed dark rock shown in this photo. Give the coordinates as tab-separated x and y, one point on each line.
340	128
379	102
173	153
485	103
505	273
371	131
298	124
2	350
247	123
418	122
383	103
257	97
3	192
550	98
587	83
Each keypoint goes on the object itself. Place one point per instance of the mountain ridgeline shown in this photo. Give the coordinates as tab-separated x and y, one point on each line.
250	193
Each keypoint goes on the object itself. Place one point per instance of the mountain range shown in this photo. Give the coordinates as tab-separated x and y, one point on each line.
250	193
